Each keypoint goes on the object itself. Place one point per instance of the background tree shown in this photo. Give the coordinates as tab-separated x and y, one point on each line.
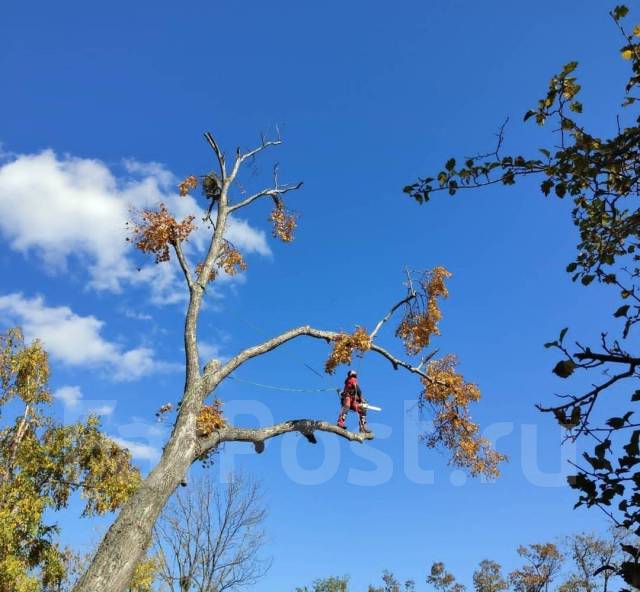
543	563
331	584
42	463
577	563
602	177
488	577
442	580
200	427
594	561
209	538
391	584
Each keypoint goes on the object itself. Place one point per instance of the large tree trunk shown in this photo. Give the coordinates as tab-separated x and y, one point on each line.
129	537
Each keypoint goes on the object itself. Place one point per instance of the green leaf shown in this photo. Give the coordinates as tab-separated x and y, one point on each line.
450	164
575	417
560	416
622	311
508	178
563	333
572	267
570	67
598	463
615	422
582	483
546	186
635	396
620	11
602	448
561	190
633	448
587	279
529	114
564	368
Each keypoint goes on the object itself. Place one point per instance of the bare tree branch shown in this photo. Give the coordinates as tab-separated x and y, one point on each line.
588	355
592	394
397	363
183	263
219	155
395	307
258	436
273	192
218	373
241	158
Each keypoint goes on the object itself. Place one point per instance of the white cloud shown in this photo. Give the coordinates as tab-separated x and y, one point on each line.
76	340
76	406
60	207
101	410
69	395
138	316
138	450
247	238
209	350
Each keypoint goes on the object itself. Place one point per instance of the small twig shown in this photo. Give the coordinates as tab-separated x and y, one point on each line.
183	263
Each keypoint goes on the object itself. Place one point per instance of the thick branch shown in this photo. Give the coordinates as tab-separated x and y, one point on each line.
273	192
219	155
613	358
258	436
216	374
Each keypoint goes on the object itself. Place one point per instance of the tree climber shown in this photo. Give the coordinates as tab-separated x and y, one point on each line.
351	397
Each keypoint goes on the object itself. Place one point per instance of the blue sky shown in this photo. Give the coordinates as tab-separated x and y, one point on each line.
105	105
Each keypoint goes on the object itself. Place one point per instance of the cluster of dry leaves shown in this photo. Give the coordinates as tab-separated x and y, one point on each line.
448	395
344	345
422	315
210	418
284	222
154	230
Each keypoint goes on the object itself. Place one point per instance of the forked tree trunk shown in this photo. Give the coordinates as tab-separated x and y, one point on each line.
130	535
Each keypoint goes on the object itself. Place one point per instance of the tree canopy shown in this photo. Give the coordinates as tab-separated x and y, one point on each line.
42	463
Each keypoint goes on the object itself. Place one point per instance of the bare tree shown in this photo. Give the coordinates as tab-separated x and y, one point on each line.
595	560
199	428
209	538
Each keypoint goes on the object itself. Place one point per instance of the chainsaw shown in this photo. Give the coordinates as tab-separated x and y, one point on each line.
363	404
370	407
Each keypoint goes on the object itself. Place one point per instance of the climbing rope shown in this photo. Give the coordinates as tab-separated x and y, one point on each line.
283	388
252	325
